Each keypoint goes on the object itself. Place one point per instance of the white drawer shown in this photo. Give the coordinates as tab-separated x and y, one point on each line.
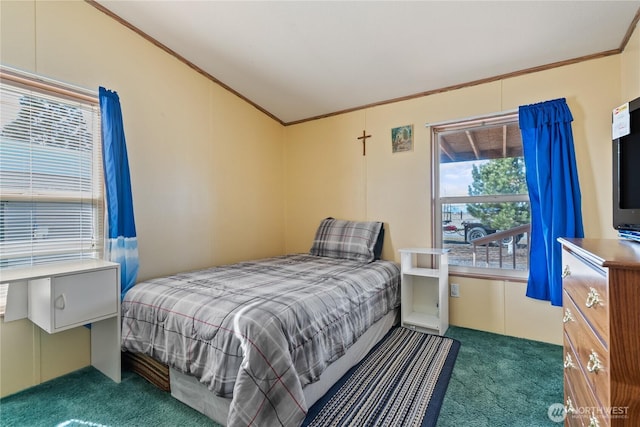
63	302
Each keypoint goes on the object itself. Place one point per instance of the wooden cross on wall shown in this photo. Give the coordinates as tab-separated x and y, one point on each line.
364	142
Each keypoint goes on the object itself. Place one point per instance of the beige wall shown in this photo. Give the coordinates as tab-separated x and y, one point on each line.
216	181
630	70
324	158
206	167
325	163
29	356
324	176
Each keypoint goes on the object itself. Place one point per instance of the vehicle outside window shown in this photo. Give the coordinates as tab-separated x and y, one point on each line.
481	204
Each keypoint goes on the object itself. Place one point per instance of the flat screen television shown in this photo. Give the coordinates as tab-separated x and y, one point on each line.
626	174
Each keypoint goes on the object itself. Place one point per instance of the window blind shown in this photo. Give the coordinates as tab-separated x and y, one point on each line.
51	182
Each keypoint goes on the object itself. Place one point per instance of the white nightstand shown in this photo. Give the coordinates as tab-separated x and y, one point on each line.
425	300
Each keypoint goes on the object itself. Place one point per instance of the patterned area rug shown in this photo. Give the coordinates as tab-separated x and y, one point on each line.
401	382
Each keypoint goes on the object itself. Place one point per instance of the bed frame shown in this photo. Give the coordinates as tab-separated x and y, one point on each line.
189	391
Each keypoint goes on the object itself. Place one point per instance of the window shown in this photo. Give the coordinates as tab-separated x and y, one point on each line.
481	204
51	182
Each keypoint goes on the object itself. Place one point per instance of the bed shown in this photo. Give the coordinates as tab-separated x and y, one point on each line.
258	342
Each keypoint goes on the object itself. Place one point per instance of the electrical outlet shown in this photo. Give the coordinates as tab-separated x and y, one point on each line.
455	291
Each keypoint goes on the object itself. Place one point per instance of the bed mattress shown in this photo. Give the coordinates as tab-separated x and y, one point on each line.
258	332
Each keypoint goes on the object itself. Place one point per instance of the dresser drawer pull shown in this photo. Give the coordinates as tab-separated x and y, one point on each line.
566	272
593	299
568	316
568	362
594	364
593	421
569	409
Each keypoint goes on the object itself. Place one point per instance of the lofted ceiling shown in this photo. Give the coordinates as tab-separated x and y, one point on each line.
300	60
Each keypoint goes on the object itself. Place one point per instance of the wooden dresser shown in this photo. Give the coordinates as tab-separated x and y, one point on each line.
601	304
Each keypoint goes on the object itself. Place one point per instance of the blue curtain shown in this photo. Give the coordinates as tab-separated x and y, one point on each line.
122	243
554	192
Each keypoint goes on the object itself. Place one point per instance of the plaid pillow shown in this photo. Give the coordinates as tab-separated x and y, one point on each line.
354	240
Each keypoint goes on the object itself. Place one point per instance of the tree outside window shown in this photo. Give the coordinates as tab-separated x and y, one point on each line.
480	190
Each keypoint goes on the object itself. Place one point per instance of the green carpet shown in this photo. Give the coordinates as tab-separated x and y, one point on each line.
88	398
502	381
496	381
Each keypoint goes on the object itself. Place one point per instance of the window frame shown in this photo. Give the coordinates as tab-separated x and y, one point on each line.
61	92
437	201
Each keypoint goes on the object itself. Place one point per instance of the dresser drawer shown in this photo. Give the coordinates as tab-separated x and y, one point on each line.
587	286
571	420
601	296
572	417
580	400
590	354
582	413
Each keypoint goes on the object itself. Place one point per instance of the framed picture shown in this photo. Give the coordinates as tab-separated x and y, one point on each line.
402	139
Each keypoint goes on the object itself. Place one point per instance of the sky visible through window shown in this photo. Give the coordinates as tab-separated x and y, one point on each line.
455	177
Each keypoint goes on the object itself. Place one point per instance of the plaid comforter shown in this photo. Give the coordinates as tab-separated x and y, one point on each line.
259	331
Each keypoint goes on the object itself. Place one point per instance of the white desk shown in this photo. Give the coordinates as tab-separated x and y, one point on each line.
62	296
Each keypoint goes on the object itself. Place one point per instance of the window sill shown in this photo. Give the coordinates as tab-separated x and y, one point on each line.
489	274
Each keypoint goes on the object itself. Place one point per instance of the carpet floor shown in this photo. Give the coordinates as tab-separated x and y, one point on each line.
502	381
497	381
